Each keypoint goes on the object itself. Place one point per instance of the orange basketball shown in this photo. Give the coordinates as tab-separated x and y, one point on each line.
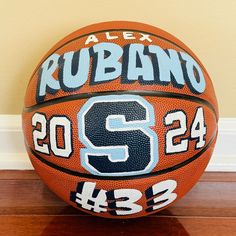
120	119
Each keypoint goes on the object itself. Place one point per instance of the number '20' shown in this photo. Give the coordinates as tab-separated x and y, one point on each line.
116	131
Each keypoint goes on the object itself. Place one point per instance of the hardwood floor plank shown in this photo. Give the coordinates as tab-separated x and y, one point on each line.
89	225
218	177
18	174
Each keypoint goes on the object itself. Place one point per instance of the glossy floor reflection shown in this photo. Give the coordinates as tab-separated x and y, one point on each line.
27	207
99	226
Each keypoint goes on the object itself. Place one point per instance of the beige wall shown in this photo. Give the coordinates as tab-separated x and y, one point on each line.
29	28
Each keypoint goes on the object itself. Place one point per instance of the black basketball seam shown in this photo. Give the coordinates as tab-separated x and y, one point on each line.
89	176
132	92
111	30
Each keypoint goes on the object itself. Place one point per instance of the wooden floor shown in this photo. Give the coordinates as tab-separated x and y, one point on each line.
28	208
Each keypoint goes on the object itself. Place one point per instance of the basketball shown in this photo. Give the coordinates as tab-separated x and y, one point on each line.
120	119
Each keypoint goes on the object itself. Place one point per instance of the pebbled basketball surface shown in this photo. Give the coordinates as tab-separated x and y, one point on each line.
120	119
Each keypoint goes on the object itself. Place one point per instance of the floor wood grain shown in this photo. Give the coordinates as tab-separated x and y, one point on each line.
87	225
27	207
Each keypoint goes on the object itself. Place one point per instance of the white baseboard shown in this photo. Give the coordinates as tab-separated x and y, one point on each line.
14	156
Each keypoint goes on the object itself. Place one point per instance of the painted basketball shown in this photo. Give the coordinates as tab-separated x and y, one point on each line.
120	119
